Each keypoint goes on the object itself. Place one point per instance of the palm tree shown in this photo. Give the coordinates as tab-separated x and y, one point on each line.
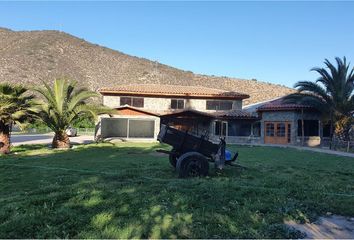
62	105
331	94
16	107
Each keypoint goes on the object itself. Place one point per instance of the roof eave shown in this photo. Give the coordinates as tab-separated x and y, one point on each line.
138	110
241	117
284	109
199	96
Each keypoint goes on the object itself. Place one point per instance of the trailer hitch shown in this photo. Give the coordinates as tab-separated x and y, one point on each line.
221	160
234	158
220	156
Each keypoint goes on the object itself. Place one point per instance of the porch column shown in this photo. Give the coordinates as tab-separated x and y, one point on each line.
320	133
127	128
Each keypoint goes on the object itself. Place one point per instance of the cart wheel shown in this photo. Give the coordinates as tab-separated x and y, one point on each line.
192	164
173	158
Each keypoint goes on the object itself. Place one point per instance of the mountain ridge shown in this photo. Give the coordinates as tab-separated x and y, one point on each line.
29	57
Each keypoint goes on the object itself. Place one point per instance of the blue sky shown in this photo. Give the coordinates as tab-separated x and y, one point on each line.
275	42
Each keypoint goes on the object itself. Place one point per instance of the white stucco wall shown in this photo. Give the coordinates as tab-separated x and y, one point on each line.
111	101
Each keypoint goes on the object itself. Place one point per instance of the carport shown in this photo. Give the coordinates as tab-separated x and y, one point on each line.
129	124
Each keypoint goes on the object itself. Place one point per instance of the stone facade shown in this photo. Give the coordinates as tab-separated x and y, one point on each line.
164	104
157	105
292	117
279	116
161	105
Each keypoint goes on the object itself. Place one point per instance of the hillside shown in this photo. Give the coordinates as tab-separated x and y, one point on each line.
31	56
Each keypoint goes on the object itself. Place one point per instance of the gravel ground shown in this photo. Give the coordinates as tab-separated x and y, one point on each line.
328	227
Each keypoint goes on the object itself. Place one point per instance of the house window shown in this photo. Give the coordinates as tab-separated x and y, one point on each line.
132	101
281	130
218	105
220	128
138	102
125	101
177	104
217	129
239	129
310	128
224	128
270	129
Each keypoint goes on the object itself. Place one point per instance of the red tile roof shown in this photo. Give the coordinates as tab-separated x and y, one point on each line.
239	114
236	114
173	91
279	105
128	110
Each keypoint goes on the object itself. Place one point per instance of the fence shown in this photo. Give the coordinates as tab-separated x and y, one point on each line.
340	145
85	131
337	144
80	131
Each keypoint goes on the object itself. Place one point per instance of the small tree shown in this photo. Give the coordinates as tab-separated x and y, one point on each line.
16	107
331	94
62	104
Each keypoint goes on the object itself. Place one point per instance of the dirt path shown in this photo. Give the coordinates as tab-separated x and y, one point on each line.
329	227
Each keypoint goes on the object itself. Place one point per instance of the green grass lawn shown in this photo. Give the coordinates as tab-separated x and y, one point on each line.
129	191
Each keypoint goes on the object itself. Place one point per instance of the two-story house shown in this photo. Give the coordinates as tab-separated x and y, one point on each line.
141	109
200	110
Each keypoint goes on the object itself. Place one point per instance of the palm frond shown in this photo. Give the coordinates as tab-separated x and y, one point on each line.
15	104
64	103
47	94
80	98
313	88
332	93
307	99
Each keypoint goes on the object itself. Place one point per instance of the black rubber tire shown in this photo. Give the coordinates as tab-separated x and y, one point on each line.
192	164
173	159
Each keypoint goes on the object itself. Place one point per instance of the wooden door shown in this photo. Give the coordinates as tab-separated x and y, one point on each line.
220	128
277	132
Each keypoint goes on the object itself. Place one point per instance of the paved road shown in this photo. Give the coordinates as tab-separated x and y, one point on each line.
45	139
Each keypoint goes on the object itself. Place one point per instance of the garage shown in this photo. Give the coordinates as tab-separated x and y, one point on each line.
128	124
127	128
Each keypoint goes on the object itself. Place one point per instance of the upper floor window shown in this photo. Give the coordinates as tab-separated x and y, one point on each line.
218	105
132	101
177	104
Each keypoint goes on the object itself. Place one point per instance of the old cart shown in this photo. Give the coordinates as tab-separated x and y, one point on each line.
190	154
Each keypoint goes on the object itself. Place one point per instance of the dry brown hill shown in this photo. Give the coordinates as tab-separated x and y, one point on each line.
29	57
